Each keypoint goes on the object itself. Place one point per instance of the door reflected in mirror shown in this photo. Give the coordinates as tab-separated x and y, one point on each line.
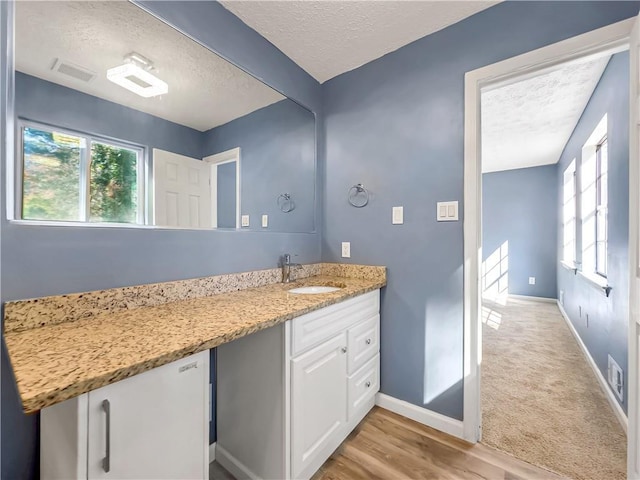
211	144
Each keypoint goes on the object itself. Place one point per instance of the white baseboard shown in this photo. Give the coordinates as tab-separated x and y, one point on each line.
533	299
617	409
233	465
421	415
212	452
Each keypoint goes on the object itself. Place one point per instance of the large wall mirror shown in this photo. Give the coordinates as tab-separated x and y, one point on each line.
121	118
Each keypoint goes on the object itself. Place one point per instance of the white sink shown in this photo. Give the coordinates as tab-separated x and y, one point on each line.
313	290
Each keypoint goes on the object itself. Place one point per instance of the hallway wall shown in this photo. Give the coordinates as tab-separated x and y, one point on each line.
601	321
519	209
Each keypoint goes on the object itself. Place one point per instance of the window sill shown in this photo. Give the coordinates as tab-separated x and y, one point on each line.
569	266
53	223
597	281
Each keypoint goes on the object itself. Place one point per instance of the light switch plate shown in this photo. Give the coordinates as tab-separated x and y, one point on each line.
346	249
244	220
397	215
265	221
447	211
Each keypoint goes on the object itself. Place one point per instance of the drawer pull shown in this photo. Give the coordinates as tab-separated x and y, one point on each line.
368	384
368	341
344	349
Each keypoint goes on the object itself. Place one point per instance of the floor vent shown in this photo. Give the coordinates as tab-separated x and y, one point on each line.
616	378
73	70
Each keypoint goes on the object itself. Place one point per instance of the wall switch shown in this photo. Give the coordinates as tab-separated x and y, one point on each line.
532	280
397	215
244	220
447	211
346	249
265	221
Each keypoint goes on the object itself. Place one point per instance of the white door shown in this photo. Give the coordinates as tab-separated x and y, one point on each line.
153	425
318	403
182	196
633	454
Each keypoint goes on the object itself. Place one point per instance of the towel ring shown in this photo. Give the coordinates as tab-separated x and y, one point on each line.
285	203
358	196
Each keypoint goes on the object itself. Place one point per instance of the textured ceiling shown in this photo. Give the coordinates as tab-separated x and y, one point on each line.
528	123
204	90
328	37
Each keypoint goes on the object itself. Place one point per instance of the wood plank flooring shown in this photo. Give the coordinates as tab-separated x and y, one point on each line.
387	446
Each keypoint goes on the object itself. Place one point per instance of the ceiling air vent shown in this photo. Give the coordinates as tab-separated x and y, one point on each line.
73	70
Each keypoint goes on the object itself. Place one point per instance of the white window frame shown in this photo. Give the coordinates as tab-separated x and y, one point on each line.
602	206
588	195
85	173
570	179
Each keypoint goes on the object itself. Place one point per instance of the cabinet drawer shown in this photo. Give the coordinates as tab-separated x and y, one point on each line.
315	327
363	341
363	385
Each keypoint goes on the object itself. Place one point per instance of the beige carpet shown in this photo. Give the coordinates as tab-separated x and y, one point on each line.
541	401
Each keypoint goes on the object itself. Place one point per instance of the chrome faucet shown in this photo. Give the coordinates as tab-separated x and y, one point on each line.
285	263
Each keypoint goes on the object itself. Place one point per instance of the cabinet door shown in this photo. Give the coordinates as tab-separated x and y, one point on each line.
318	404
157	424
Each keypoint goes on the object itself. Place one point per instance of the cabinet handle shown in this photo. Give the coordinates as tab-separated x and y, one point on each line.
368	341
344	349
368	384
106	461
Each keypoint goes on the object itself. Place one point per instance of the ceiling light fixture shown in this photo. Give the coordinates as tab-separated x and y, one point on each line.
135	75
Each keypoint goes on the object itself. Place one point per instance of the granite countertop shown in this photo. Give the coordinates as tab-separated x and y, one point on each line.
59	361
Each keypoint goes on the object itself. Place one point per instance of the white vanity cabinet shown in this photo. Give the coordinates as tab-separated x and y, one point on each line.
289	395
154	425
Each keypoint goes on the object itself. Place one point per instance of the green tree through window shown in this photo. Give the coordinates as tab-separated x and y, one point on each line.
63	181
51	175
113	187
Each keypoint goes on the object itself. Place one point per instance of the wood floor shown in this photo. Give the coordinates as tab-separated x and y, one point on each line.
391	447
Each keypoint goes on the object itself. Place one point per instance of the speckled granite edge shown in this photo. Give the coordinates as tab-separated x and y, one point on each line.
57	362
39	312
32	313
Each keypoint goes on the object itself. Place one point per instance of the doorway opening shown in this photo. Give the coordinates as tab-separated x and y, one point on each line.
498	268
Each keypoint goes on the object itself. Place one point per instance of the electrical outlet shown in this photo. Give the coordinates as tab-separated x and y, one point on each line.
244	220
397	215
532	280
265	221
346	249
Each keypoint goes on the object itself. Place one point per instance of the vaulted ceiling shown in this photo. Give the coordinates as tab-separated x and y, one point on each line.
329	37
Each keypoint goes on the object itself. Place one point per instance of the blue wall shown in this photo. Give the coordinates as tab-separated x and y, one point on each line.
39	260
396	125
277	155
607	331
226	195
520	207
46	102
